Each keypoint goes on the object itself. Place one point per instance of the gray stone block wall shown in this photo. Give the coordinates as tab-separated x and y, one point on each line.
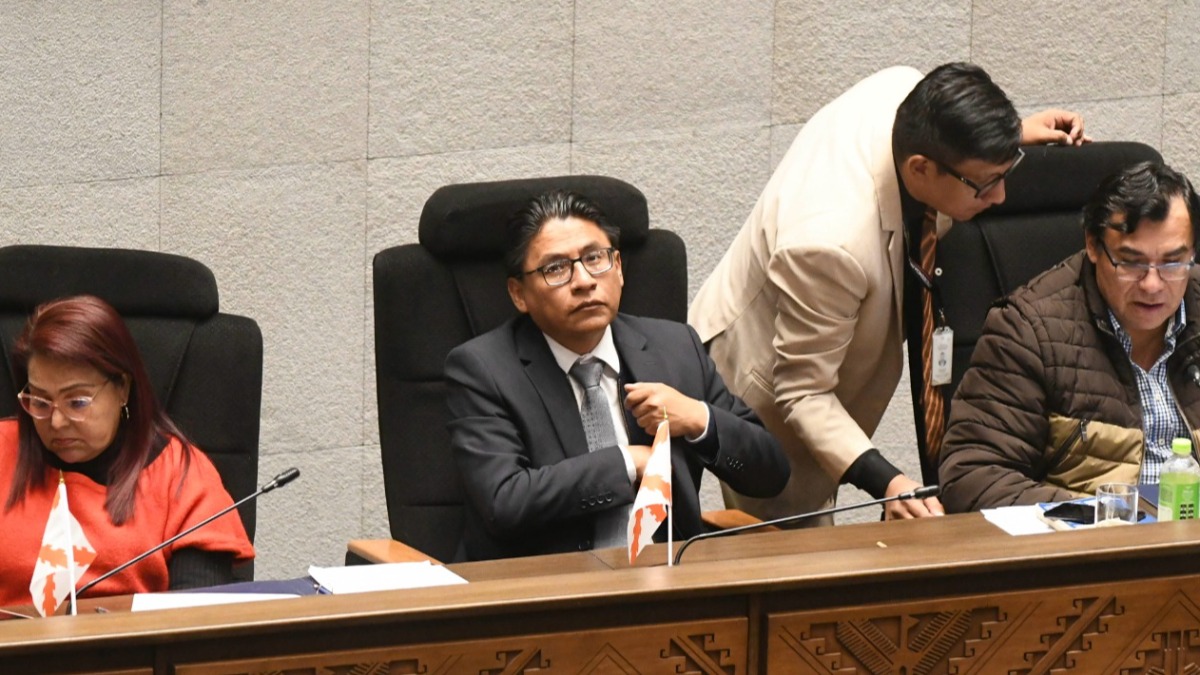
284	143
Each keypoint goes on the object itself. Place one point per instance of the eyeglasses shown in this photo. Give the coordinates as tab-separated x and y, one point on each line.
76	408
982	190
561	271
1130	271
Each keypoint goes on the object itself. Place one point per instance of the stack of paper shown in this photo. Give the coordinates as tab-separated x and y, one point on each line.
1017	520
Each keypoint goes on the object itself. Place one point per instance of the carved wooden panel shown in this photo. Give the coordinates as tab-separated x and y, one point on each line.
1129	628
699	648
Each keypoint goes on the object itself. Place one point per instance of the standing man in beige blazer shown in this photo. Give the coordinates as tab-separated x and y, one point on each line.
803	314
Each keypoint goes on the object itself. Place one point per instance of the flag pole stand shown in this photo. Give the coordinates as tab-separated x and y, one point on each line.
62	485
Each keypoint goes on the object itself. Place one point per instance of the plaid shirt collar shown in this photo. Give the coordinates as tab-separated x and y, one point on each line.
1175	326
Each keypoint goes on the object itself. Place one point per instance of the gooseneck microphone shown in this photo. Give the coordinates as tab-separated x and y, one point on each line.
919	493
278	481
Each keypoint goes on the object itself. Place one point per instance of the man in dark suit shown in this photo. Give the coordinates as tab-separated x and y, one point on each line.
550	458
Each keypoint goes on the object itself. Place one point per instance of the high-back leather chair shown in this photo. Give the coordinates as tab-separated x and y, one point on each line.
450	287
984	259
206	366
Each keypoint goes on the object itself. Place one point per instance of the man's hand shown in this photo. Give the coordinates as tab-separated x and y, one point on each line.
1053	126
648	400
909	508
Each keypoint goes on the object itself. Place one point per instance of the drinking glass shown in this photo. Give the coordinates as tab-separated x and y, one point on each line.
1116	504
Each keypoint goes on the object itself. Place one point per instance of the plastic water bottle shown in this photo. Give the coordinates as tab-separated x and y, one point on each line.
1179	483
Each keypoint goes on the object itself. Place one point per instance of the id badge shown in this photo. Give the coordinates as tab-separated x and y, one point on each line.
943	356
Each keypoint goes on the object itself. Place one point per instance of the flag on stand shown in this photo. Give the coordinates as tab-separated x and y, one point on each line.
652	505
64	556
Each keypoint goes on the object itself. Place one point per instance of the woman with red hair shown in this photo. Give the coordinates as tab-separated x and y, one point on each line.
89	417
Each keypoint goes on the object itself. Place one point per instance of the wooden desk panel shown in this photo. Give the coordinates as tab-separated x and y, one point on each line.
909	591
1131	627
698	647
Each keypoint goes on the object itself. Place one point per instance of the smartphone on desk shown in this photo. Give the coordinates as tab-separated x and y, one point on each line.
1073	512
1080	514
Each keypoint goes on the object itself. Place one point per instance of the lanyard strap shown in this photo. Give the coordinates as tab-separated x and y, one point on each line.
930	287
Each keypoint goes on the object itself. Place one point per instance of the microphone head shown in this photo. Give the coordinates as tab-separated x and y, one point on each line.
926	491
282	479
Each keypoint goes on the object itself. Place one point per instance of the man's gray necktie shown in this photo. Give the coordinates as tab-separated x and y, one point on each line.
611	525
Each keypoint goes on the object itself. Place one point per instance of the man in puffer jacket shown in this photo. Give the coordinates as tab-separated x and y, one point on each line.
1082	376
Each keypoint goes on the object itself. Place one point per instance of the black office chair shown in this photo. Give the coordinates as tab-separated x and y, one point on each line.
450	287
206	366
1004	247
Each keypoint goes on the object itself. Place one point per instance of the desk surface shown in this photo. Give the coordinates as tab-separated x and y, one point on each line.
767	595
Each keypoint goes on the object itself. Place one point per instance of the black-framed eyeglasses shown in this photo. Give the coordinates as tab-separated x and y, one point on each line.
982	190
561	271
1131	271
75	408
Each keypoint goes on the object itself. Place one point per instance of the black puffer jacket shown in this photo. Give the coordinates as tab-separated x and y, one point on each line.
1050	408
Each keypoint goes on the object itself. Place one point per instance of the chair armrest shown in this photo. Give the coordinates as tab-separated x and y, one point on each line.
729	518
384	551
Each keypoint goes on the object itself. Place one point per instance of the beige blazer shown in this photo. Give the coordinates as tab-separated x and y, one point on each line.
803	313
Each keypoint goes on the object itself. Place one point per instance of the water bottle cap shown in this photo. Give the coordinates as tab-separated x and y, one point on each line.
1181	446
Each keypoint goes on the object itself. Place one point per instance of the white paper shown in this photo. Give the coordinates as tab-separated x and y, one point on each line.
385	577
1018	520
150	601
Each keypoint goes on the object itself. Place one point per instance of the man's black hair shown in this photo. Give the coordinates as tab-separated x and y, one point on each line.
1140	192
956	113
556	204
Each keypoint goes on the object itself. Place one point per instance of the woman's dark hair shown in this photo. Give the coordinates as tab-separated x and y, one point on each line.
956	113
86	330
556	204
1141	191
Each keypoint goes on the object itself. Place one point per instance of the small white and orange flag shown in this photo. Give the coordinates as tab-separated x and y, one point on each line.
652	505
64	556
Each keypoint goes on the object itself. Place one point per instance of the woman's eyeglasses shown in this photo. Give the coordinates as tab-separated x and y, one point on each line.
74	408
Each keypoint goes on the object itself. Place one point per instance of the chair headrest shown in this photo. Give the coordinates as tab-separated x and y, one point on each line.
135	283
469	220
1059	178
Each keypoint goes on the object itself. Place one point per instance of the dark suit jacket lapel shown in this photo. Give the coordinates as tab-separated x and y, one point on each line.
639	363
552	386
